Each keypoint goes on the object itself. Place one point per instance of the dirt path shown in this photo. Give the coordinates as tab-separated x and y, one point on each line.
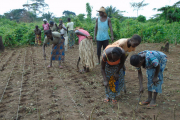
29	90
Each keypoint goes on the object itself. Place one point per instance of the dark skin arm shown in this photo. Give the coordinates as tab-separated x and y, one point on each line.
140	76
103	67
155	79
105	82
123	58
96	28
44	54
80	33
110	26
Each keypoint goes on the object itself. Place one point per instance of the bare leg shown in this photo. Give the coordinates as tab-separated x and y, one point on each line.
99	59
78	63
50	65
153	101
87	69
148	100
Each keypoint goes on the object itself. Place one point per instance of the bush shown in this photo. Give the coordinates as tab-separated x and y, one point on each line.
141	18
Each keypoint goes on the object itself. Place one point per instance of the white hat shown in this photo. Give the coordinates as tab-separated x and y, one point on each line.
44	20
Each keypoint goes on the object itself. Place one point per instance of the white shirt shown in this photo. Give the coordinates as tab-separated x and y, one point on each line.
70	26
62	31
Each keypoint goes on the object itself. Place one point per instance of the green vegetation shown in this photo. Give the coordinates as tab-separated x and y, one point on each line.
164	27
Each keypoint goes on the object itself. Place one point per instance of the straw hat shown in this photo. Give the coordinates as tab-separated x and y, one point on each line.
102	9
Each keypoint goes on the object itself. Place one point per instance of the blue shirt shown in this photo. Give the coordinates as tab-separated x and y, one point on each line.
153	58
102	33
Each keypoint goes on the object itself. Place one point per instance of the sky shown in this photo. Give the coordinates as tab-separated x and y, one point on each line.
79	6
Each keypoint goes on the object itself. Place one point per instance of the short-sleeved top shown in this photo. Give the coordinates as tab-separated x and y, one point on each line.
53	28
152	58
123	44
62	31
46	26
56	38
70	26
37	32
102	32
81	37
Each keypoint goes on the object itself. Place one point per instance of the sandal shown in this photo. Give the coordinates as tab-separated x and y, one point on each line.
81	71
114	101
143	103
106	100
149	106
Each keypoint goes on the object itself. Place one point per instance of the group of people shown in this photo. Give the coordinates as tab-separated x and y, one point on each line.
113	57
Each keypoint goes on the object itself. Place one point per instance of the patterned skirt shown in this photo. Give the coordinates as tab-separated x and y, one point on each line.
71	38
58	52
150	75
115	87
86	53
38	39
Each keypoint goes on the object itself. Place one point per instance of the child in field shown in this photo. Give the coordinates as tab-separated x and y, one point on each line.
128	45
154	62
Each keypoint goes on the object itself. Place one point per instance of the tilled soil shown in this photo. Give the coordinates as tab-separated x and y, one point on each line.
31	91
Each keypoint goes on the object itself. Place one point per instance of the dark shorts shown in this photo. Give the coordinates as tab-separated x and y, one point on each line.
100	44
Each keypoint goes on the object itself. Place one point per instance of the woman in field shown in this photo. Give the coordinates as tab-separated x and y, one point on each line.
63	30
154	62
53	26
128	45
57	42
86	50
71	34
112	62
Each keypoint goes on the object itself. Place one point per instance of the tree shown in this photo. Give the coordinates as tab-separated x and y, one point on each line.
171	13
20	15
36	6
48	15
138	6
88	10
67	13
113	12
141	18
81	17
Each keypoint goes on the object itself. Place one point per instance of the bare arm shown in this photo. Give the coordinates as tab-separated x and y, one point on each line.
44	54
155	79
96	28
110	26
140	76
103	72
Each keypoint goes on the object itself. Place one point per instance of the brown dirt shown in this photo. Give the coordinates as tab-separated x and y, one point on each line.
29	90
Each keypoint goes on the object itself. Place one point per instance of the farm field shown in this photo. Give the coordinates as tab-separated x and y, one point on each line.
31	91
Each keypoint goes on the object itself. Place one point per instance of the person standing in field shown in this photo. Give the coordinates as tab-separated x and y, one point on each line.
154	62
53	26
57	42
45	25
112	62
86	50
63	30
71	34
128	45
103	23
37	32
